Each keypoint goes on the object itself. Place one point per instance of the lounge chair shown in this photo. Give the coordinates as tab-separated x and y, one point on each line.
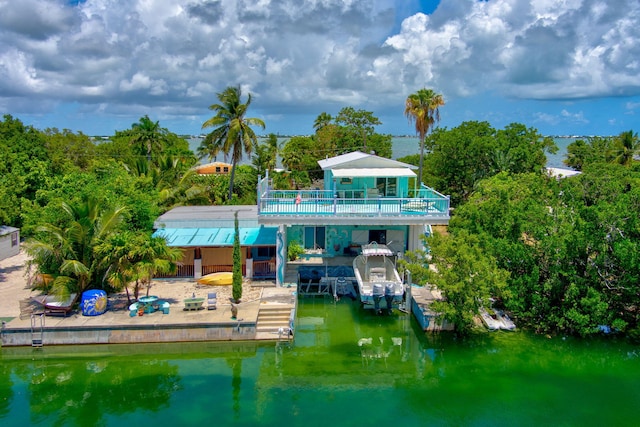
52	305
212	301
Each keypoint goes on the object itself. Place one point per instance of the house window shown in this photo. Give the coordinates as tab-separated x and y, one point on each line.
14	239
217	169
266	252
387	187
314	237
226	169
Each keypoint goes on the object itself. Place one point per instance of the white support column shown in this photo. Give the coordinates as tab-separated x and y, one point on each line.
249	264
197	268
415	237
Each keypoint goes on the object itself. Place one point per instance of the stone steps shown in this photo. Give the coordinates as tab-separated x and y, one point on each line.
272	320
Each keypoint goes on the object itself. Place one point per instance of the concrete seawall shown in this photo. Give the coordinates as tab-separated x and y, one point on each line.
158	333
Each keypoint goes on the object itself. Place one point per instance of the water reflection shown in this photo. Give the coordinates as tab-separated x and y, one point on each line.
81	392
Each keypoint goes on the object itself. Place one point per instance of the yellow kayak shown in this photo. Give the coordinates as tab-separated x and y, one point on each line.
217	279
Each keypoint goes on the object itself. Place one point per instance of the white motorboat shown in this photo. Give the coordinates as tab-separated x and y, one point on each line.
493	324
377	277
506	323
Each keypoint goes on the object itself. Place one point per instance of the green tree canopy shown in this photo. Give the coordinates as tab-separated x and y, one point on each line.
462	156
467	275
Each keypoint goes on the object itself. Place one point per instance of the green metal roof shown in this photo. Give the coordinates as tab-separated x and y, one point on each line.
203	237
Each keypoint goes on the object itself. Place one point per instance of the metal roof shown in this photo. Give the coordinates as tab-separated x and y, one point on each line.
208	216
338	160
217	237
378	172
358	159
7	229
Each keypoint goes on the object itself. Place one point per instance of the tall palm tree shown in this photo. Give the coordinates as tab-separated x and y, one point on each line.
147	136
625	147
232	131
321	121
423	109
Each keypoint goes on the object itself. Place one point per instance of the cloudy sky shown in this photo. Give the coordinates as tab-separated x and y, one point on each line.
96	66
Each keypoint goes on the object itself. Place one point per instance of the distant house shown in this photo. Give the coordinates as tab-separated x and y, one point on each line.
215	168
9	241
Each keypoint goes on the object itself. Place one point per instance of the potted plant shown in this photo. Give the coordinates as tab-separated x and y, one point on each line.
294	251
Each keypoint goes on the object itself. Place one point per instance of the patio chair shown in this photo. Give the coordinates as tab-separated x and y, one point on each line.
51	305
212	301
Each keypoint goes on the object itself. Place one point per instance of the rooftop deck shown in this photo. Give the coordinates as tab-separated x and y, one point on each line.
322	206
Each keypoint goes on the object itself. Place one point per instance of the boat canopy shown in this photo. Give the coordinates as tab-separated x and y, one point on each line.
373	249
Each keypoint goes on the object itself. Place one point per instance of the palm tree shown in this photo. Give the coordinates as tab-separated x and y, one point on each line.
68	253
625	147
134	258
323	119
266	155
232	131
423	109
147	136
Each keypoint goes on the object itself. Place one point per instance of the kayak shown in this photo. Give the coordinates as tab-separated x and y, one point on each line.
217	279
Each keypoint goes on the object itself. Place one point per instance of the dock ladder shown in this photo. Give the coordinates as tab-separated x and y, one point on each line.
37	330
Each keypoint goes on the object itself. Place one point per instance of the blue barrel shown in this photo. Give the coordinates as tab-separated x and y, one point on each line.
93	302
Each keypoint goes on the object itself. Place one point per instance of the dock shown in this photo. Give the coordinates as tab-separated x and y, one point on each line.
269	318
421	299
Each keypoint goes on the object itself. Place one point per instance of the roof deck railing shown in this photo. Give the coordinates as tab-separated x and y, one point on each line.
419	202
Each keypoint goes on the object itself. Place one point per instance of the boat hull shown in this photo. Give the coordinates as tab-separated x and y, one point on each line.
217	279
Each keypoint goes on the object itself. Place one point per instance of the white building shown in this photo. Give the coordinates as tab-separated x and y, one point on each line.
9	241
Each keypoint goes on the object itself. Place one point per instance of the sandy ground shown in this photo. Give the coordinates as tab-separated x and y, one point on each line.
14	287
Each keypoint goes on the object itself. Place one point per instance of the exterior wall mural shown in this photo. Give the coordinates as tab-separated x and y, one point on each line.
281	255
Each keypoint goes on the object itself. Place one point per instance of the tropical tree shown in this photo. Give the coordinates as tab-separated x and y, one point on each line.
466	275
423	109
360	121
232	131
323	120
66	253
625	147
134	258
266	155
147	136
299	155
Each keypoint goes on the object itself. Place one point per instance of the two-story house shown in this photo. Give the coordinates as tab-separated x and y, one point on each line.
366	198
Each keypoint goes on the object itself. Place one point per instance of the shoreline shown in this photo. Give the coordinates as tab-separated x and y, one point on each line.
118	326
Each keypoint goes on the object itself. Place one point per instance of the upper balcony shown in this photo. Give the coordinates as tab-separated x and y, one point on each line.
352	207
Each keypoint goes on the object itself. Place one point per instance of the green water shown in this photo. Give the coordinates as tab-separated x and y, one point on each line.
403	378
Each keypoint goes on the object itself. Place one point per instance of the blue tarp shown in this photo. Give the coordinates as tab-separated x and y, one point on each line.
203	237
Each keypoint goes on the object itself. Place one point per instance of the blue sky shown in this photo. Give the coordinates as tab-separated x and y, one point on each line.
565	67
